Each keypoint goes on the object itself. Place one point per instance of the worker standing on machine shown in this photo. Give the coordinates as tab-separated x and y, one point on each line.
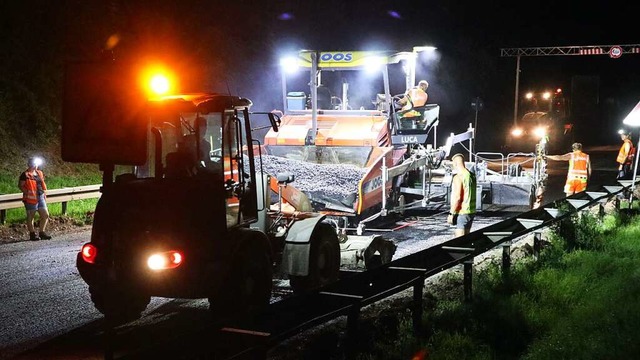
463	197
413	98
579	169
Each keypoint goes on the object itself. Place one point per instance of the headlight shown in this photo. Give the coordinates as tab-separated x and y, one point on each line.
517	132
540	132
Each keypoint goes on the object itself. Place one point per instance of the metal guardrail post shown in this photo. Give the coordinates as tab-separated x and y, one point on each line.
417	305
64	208
352	329
537	244
459	252
506	259
3	216
468	280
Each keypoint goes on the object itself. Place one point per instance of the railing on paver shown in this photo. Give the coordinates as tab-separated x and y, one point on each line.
63	195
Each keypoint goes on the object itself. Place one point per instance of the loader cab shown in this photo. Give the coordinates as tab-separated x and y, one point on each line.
205	147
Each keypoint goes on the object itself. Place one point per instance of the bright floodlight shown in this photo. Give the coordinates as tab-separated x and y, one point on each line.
37	161
373	63
517	132
289	64
424	48
528	96
546	95
633	119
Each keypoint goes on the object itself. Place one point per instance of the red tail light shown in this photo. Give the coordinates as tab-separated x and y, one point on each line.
89	253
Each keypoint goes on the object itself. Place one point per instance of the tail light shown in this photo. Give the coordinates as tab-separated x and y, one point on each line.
165	260
89	253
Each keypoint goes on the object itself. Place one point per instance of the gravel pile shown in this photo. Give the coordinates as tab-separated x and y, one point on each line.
335	183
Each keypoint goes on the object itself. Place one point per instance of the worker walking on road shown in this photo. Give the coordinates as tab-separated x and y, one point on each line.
579	169
413	98
34	192
463	197
626	155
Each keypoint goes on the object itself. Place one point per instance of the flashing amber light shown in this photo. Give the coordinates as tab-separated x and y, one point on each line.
159	84
89	253
157	81
164	260
529	96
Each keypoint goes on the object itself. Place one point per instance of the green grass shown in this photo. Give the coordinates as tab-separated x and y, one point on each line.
578	301
77	210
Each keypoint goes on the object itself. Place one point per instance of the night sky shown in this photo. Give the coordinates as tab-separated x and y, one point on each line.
234	46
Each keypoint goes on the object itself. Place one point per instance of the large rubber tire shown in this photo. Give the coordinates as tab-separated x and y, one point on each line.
248	289
119	303
324	261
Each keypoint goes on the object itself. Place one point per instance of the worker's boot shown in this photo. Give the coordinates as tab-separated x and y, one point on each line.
32	236
44	236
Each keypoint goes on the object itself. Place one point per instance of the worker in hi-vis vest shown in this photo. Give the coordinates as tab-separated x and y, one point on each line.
463	197
413	98
625	157
579	169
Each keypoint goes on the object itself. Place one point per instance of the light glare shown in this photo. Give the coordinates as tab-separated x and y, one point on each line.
159	84
164	260
540	132
289	64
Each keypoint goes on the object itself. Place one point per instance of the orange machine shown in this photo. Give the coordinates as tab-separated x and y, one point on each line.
337	138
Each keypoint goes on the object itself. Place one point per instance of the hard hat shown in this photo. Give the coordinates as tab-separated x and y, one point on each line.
423	82
624	132
457	155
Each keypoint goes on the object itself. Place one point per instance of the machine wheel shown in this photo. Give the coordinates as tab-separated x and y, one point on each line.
324	261
119	303
249	287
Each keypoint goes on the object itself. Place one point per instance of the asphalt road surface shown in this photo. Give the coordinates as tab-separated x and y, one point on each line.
43	299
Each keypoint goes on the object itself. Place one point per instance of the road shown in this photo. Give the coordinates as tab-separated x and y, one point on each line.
42	296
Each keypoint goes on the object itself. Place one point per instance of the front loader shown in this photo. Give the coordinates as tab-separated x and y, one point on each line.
184	211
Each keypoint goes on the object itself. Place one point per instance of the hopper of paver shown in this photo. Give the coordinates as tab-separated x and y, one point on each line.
341	171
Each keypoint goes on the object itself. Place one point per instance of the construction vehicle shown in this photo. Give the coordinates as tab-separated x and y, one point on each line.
184	211
545	115
338	138
396	162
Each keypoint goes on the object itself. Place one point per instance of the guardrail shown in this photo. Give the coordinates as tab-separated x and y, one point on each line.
63	195
251	337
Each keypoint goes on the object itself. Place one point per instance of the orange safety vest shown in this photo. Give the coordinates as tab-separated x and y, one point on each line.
415	97
578	166
30	196
625	157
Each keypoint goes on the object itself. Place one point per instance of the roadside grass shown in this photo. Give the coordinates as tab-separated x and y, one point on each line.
78	210
579	300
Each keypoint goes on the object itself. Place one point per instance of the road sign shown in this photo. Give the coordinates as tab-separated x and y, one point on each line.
615	52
